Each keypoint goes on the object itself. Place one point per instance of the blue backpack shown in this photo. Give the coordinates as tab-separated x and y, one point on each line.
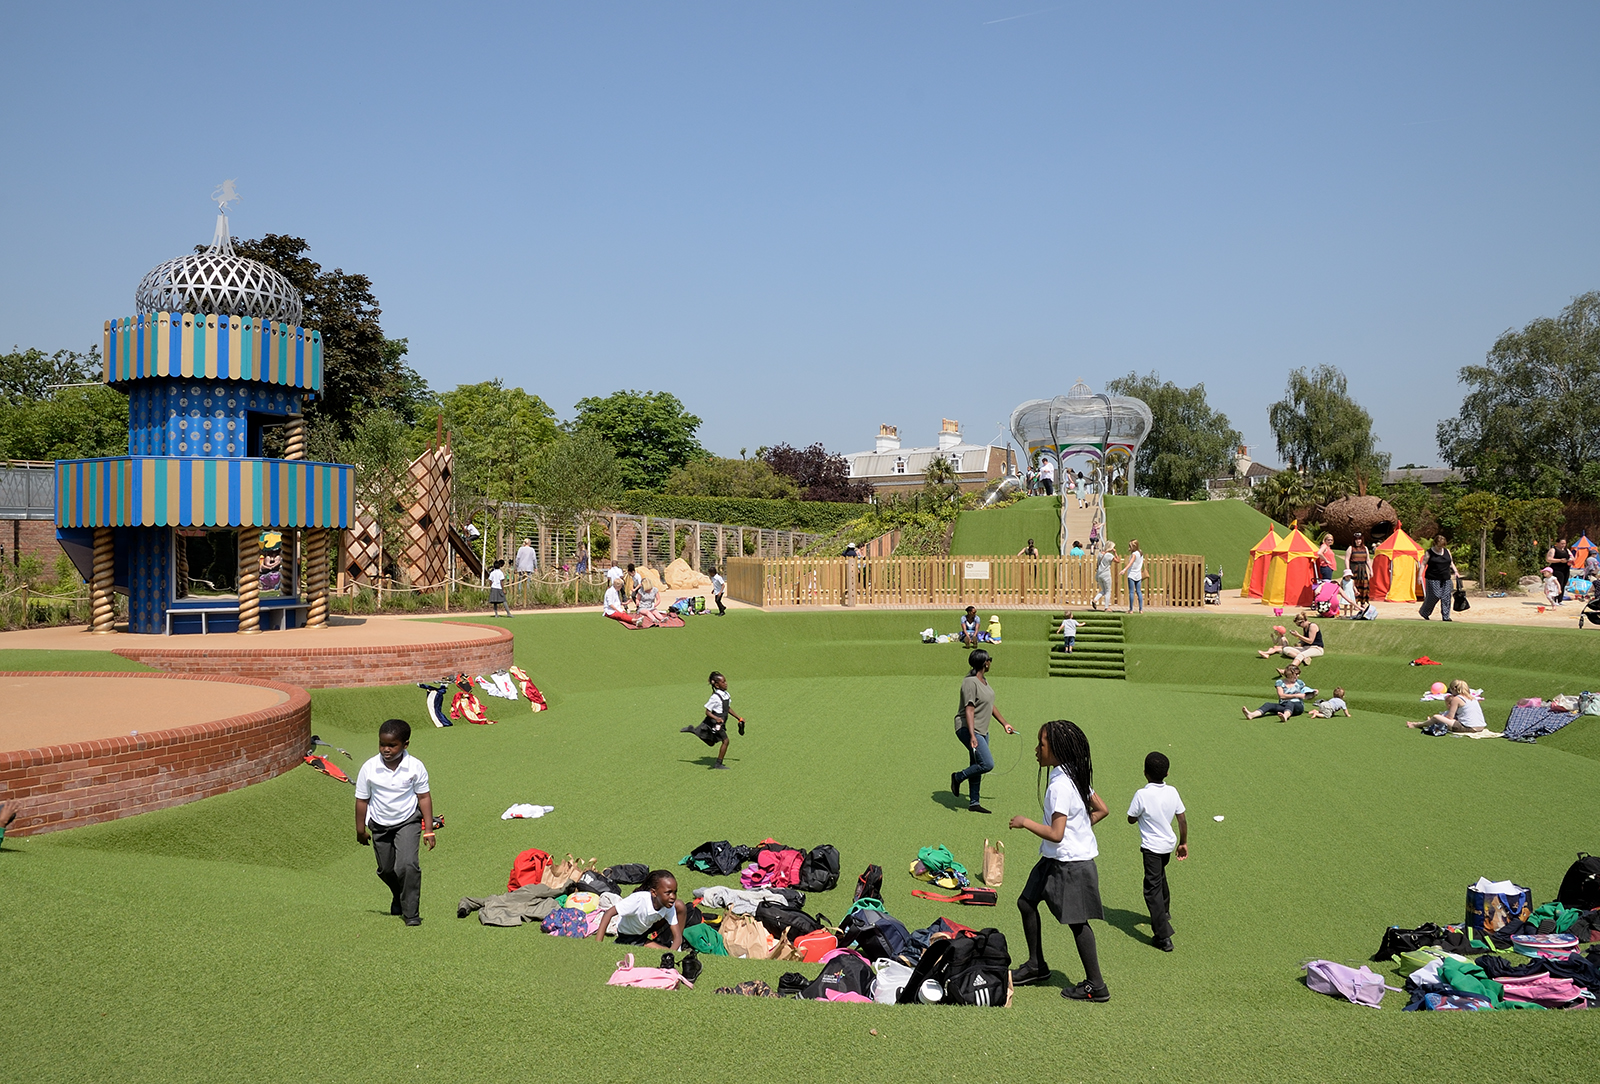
877	933
566	922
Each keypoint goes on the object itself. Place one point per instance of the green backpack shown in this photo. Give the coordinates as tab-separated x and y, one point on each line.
939	860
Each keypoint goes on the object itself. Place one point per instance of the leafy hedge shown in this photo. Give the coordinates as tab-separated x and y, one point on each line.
819	517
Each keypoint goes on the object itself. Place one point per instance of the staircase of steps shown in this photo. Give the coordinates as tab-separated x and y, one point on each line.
1098	652
1077	522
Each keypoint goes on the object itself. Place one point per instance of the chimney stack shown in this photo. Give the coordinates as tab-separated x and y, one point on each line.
888	439
949	434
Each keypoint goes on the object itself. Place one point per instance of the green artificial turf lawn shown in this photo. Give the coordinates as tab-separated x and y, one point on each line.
988	532
1220	531
27	659
245	937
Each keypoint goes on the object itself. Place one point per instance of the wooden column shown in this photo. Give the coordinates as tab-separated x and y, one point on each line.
295	437
102	611
249	580
317	579
698	559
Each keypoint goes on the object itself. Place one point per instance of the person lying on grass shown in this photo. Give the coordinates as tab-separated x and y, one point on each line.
1280	640
1327	709
1461	714
1292	693
648	913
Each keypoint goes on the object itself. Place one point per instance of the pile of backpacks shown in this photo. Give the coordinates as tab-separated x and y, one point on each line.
769	864
1526	957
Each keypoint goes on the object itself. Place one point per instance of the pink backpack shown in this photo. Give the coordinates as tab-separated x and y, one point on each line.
1363	987
1546	990
646	978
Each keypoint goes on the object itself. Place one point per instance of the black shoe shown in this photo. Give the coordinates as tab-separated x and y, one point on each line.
691	966
669	962
1085	992
394	906
1030	974
686	730
1164	944
413	922
741	728
717	765
955	784
978	809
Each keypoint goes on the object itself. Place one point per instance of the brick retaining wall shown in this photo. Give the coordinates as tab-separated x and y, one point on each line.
332	667
66	786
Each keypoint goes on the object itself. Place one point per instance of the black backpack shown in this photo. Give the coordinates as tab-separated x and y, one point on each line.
1428	935
870	884
778	919
846	973
793	898
876	933
1580	888
598	883
629	873
718	858
973	970
819	870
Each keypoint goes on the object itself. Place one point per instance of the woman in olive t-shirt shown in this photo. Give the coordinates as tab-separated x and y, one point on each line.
972	729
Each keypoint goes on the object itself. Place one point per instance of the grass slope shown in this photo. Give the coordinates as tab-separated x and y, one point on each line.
990	531
1220	531
29	659
246	937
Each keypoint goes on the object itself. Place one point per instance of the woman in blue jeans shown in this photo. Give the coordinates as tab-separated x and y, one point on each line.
973	713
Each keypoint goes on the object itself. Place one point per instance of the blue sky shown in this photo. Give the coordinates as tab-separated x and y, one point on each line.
808	219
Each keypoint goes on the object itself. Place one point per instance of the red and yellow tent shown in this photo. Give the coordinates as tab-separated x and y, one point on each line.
1260	560
1581	552
1394	568
1292	574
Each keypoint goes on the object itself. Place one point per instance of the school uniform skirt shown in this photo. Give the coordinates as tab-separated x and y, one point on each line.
496	596
1070	889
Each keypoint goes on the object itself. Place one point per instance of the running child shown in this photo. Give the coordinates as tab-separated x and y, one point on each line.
497	587
1069	632
1327	709
718	587
1065	877
648	913
394	812
1153	808
713	729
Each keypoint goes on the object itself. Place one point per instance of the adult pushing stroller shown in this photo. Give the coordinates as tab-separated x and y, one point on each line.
1213	587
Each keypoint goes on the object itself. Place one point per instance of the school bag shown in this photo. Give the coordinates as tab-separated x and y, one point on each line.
597	883
973	970
793	898
843	972
718	857
646	978
819	870
1580	888
889	978
566	922
781	920
1428	935
814	946
1362	987
629	873
527	868
875	932
870	884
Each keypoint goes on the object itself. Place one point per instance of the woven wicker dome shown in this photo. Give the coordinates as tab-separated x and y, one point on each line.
219	282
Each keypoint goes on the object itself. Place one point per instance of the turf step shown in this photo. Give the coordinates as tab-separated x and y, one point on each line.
1098	650
1111	675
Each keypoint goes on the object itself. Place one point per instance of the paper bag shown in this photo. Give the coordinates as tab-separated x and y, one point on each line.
994	863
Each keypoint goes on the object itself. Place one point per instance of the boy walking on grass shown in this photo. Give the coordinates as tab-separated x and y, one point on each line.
1153	808
394	813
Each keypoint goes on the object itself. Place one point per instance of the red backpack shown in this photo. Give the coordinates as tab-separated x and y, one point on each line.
528	869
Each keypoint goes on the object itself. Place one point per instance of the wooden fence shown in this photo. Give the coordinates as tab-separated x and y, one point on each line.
1170	580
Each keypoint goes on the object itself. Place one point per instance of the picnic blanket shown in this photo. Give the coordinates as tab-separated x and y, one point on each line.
1526	724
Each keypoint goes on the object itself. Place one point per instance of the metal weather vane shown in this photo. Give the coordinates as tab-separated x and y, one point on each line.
224	194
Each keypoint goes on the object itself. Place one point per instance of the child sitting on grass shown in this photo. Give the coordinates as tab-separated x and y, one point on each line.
1327	709
648	913
714	727
1292	693
1279	642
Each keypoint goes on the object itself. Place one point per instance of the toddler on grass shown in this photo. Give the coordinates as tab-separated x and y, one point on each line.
1327	709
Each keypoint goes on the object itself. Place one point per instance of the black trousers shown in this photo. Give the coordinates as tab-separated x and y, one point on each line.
398	849
721	609
1157	896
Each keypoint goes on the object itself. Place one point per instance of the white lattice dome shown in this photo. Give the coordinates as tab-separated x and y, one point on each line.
219	282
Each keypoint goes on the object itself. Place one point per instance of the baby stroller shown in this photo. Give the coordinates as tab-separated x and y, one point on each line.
1326	599
1591	610
1213	587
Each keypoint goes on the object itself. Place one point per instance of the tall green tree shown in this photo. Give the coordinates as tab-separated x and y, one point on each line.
651	432
1321	430
362	369
496	432
1530	422
714	476
1188	440
381	448
41	420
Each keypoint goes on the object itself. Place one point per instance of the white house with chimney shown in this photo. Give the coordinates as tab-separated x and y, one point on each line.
891	468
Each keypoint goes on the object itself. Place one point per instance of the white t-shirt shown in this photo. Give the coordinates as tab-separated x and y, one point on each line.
1077	842
1069	628
719	704
1135	566
717	584
391	796
1047	469
637	913
1333	704
613	603
614	574
1155	804
497	577
527	560
1469	713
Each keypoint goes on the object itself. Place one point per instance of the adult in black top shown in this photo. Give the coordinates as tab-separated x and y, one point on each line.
1560	561
1436	578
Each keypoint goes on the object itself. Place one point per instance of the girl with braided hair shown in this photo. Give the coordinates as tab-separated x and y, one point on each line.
1065	876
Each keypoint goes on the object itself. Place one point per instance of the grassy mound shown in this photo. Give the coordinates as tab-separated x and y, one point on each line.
1220	531
248	930
986	532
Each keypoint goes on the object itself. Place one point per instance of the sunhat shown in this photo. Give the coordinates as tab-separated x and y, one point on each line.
1278	629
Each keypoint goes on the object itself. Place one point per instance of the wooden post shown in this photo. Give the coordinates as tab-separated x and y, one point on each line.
739	542
317	580
698	559
249	580
102	610
295	437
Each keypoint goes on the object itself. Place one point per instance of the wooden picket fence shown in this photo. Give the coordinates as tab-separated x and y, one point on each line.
1170	580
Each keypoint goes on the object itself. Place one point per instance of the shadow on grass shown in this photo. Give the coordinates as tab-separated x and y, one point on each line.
948	800
705	762
1129	922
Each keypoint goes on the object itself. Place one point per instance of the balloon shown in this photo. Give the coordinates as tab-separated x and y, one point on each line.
1437	688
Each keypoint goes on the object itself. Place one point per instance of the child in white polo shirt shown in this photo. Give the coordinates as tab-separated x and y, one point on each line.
649	912
1153	809
394	813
